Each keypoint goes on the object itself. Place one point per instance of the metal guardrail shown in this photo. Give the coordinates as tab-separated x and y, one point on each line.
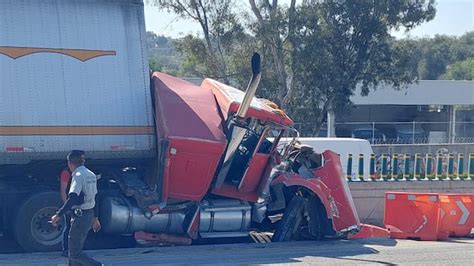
408	167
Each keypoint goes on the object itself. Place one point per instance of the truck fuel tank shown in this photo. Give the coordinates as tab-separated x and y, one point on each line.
217	218
224	218
119	215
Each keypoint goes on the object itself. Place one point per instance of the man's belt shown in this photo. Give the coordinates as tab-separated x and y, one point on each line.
77	212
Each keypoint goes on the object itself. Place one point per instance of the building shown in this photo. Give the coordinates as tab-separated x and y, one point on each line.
430	111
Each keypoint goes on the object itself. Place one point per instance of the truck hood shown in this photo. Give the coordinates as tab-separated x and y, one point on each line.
185	110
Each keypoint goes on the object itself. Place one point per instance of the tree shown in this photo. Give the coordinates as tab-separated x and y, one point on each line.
436	54
154	64
315	53
466	43
461	70
462	67
155	41
275	28
219	25
335	46
162	54
196	62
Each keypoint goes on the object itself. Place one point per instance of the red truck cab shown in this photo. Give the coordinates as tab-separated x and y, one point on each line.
194	140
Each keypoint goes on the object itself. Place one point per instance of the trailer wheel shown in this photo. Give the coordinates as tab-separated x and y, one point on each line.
32	230
300	221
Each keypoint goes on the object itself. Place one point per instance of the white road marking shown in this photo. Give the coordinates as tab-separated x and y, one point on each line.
465	212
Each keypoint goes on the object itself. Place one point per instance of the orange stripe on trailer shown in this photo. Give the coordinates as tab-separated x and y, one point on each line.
79	54
74	130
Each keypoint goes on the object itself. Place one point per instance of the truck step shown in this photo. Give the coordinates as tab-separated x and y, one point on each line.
261	237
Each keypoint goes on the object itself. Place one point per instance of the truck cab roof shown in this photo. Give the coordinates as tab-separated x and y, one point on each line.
230	98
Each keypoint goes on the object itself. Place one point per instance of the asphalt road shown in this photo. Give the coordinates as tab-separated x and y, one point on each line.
337	252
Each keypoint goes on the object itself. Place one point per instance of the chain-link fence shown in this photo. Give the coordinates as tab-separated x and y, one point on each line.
417	132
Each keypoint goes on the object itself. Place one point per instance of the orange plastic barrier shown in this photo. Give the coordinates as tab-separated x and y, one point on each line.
456	213
413	215
370	231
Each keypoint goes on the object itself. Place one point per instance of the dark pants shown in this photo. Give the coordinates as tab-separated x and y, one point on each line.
80	226
67	222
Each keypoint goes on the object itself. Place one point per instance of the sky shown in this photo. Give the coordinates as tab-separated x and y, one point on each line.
453	17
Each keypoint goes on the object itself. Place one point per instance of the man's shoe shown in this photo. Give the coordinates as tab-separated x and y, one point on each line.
64	253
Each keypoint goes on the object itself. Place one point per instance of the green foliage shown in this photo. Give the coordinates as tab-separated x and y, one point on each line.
273	28
196	60
156	41
339	45
315	53
461	70
154	64
436	54
221	29
162	54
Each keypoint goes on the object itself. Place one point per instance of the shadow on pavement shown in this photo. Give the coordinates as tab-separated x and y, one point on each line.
289	252
322	252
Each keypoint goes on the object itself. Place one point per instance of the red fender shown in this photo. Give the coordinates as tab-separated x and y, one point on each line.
313	185
332	176
332	188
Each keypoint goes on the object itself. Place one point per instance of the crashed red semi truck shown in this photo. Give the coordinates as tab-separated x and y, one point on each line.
176	161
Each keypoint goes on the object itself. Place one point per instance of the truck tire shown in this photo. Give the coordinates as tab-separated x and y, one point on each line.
300	221
31	228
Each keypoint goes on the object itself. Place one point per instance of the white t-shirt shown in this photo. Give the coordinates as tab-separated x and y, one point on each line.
84	180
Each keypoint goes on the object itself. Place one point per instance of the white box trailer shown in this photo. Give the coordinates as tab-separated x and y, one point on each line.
74	75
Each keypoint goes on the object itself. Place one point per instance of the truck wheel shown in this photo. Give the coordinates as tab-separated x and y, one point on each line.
31	228
300	221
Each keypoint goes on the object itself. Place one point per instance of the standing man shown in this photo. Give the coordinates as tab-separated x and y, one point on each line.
82	201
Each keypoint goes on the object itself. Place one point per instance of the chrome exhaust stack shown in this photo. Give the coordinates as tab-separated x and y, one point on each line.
236	125
252	86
